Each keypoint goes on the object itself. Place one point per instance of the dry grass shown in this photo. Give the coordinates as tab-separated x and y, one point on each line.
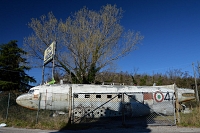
191	119
25	118
21	117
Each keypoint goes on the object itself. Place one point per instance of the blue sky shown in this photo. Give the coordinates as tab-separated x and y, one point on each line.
171	29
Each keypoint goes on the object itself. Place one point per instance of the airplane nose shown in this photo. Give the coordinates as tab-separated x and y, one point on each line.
20	100
25	100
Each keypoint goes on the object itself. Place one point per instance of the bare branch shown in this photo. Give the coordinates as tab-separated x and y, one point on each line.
86	42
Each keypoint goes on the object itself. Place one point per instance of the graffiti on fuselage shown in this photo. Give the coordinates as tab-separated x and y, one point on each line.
169	96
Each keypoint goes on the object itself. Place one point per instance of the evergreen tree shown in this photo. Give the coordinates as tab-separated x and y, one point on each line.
13	67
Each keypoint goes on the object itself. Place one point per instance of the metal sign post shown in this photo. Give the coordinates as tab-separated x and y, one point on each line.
43	74
49	54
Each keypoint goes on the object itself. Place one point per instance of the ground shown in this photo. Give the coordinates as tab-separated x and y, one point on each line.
148	129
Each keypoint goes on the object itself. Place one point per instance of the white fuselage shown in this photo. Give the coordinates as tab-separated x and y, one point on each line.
61	97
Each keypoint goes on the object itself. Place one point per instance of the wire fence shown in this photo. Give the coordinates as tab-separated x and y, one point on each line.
7	103
126	108
89	108
12	113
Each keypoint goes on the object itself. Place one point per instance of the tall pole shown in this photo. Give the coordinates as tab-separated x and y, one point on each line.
8	106
54	52
43	74
197	94
177	104
53	69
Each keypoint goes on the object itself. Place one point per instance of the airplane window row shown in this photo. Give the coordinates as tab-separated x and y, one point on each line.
97	96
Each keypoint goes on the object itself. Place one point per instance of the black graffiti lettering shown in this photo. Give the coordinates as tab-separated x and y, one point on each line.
167	96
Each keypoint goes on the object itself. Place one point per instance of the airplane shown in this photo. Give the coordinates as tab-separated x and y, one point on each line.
90	99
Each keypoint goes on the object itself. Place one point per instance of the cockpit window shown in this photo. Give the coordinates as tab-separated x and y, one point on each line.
30	91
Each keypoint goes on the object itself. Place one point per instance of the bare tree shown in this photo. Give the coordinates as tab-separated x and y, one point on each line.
86	42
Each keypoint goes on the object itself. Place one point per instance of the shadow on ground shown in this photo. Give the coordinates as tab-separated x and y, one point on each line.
112	124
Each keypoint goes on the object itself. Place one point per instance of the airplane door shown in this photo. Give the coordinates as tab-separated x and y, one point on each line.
48	98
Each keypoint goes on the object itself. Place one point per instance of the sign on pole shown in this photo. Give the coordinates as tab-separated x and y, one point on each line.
49	56
49	53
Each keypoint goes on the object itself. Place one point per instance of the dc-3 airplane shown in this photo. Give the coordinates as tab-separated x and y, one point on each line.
82	98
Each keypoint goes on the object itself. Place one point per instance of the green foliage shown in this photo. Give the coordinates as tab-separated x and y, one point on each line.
143	80
134	81
183	80
160	81
12	68
92	73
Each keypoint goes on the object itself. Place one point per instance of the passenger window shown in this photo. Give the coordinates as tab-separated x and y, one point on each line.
87	96
98	96
109	96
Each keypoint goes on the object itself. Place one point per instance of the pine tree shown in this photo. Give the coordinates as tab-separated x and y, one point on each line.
13	67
